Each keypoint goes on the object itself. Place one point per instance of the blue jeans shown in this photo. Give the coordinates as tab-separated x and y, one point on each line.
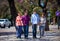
26	28
41	28
34	27
19	31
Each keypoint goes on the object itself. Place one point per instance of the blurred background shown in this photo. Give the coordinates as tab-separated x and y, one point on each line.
9	8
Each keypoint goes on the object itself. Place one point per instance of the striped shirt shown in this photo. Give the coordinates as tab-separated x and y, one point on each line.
19	21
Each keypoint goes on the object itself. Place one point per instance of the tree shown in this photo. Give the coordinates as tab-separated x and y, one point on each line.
58	2
12	10
4	10
43	4
29	4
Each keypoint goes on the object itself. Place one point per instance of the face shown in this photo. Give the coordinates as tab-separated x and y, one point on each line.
42	15
25	13
34	12
19	14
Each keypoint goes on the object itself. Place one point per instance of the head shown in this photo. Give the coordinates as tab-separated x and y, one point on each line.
42	15
19	14
25	12
34	12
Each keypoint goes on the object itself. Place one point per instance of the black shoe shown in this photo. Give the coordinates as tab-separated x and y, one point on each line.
34	37
19	37
26	37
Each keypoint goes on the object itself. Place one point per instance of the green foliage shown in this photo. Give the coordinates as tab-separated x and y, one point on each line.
19	8
38	10
29	6
5	11
52	12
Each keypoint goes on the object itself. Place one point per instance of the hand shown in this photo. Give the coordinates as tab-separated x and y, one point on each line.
40	23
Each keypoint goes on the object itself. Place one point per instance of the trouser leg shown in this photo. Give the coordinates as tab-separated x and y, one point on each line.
18	31
41	31
34	26
26	31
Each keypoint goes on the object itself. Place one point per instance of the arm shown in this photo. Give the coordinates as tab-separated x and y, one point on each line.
22	20
44	20
38	19
22	23
31	19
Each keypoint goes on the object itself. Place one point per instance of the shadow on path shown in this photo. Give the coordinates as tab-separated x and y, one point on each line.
7	33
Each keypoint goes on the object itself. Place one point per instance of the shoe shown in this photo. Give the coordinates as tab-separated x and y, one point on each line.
34	37
26	37
40	36
19	37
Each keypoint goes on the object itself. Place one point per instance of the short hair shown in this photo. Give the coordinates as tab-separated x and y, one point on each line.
25	10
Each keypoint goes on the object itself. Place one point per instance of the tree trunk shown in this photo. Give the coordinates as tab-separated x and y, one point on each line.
45	12
47	24
13	11
54	20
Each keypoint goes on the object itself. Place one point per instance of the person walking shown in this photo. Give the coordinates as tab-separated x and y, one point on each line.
58	18
19	25
26	19
34	20
42	25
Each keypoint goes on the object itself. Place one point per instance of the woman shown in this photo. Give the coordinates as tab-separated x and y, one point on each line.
42	25
26	20
19	25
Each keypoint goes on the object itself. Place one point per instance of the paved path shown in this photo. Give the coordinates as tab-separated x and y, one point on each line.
52	35
48	36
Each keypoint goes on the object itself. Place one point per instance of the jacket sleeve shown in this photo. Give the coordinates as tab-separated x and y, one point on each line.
31	18
39	18
44	20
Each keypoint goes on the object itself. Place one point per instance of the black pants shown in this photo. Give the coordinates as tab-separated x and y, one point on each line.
34	27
